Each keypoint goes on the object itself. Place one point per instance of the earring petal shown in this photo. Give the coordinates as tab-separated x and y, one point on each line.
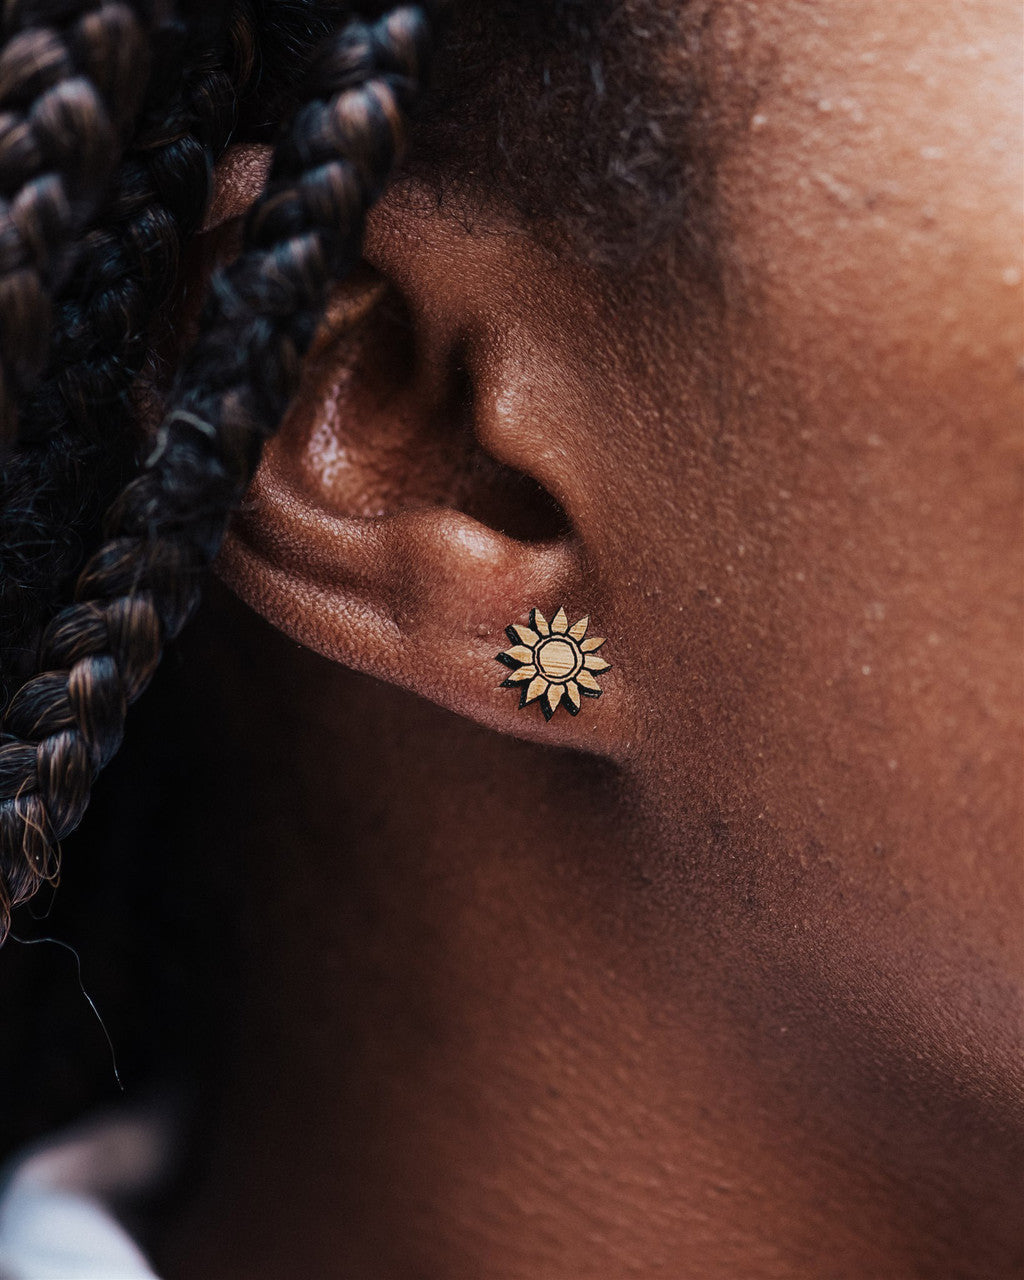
524	673
534	689
517	632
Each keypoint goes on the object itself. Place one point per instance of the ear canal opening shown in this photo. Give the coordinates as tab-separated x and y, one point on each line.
495	494
513	503
383	430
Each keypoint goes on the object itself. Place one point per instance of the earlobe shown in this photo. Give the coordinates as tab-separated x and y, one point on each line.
421	598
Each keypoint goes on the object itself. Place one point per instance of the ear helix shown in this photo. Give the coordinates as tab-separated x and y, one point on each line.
553	664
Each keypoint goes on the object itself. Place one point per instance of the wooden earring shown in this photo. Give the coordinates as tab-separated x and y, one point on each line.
553	662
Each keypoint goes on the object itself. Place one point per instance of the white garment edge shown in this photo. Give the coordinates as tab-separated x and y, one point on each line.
56	1222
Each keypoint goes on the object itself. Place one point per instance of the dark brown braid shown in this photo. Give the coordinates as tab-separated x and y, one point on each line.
78	421
138	590
71	78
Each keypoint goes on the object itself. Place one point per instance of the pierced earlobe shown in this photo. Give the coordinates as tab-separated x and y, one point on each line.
553	663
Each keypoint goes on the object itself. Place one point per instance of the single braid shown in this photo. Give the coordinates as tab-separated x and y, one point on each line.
78	421
70	84
139	589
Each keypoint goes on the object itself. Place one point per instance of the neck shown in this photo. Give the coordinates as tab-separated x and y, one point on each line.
458	1054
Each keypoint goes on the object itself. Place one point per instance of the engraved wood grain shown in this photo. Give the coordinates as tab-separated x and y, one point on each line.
553	664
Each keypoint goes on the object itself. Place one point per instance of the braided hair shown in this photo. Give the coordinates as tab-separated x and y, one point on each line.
113	115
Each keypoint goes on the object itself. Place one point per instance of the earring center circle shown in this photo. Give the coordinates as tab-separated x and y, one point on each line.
558	659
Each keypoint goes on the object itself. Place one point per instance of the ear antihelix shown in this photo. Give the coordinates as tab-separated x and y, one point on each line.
553	664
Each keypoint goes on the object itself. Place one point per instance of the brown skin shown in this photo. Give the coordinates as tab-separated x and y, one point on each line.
729	988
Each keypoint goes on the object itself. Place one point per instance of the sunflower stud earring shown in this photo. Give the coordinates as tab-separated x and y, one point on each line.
553	662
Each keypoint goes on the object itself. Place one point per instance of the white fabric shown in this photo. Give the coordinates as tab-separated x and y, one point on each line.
55	1221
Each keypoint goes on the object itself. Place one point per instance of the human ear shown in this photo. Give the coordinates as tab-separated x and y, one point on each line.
414	517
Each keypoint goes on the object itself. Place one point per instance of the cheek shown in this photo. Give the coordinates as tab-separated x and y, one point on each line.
875	202
874	298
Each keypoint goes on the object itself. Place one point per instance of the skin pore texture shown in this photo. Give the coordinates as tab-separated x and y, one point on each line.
720	978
